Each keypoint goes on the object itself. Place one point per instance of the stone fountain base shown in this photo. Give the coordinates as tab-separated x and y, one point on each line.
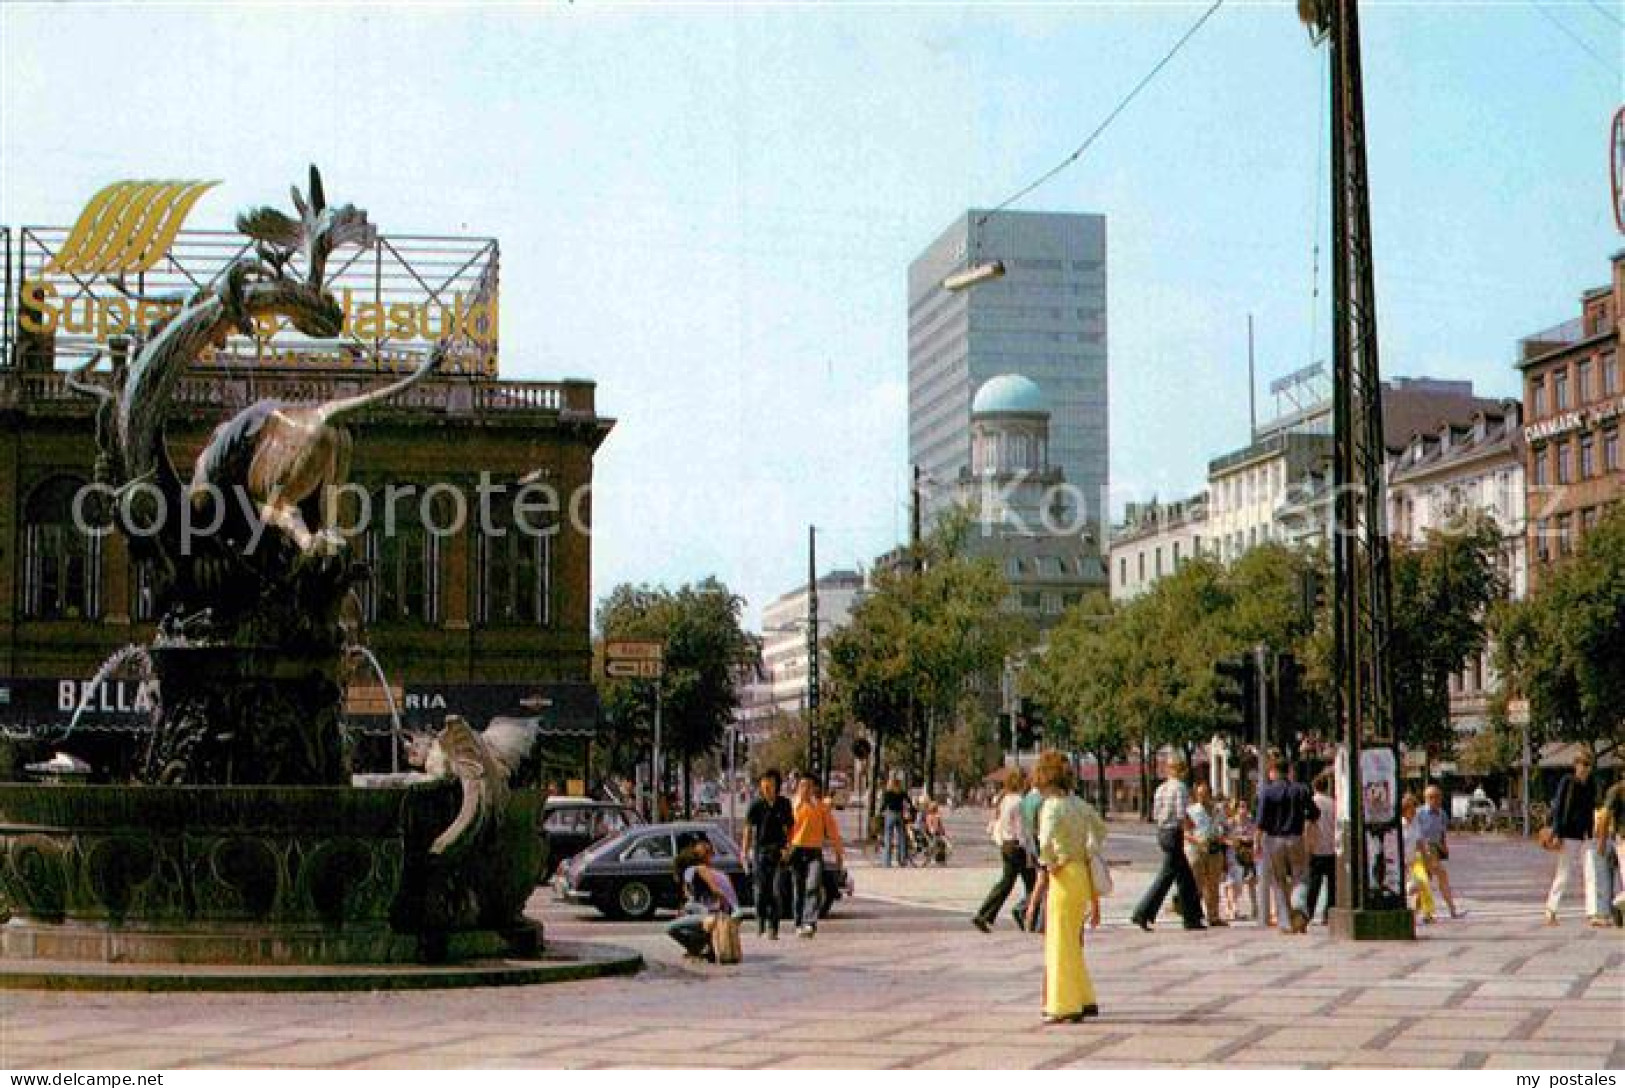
279	884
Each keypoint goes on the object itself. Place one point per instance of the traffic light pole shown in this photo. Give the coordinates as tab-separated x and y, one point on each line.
1261	670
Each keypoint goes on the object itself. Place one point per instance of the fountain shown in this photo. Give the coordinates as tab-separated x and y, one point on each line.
245	844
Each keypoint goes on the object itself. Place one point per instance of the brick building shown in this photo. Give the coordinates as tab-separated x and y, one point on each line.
1574	411
462	615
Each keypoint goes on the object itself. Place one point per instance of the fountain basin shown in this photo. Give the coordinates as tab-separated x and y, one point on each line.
273	875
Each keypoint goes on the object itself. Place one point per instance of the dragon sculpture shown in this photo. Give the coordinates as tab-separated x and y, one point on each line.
251	577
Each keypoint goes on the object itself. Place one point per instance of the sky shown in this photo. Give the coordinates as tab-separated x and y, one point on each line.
709	210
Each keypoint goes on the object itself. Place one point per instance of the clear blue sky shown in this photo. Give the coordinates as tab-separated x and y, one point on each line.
710	210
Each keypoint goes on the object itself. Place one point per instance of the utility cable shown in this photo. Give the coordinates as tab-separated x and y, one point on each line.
1120	107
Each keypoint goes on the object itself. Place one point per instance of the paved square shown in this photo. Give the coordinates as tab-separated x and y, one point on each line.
898	979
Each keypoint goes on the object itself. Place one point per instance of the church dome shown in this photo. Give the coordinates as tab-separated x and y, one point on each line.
1009	393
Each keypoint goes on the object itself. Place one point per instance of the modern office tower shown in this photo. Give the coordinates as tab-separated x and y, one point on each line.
1044	320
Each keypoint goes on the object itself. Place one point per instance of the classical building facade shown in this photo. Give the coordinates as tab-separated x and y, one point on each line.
1024	514
1574	412
1438	483
1156	539
463	612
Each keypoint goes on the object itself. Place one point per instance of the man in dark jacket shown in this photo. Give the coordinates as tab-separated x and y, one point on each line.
1285	807
767	838
1573	811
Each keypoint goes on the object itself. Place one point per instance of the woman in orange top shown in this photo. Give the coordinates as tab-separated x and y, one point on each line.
814	826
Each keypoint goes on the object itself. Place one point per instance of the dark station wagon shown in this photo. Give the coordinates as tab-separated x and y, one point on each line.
632	876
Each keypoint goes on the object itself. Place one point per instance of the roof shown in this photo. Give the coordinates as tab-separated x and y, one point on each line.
1009	393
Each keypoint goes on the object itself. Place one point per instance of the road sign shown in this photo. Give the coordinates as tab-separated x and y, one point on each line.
634	670
634	650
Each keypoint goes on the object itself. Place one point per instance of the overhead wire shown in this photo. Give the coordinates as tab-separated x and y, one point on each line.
1122	105
1611	68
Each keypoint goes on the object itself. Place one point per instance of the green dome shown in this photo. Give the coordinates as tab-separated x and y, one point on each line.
1009	393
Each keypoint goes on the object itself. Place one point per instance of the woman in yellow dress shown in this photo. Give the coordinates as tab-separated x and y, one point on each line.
1068	830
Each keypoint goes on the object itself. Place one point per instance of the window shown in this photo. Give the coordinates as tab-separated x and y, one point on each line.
515	569
1610	374
1176	555
1030	601
1583	382
1610	450
1565	534
1159	560
651	848
61	561
1560	389
1141	558
1588	457
1537	464
1543	550
1537	398
1564	469
404	557
1122	570
143	591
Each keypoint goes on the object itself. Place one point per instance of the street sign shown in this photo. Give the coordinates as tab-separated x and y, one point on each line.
634	650
634	670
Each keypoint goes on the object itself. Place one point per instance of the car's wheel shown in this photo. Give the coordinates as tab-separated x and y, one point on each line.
635	899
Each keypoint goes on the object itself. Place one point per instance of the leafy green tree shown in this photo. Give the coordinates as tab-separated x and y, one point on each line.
1563	648
1442	595
699	625
1078	680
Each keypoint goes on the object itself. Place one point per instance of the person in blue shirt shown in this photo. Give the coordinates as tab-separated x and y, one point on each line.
1432	828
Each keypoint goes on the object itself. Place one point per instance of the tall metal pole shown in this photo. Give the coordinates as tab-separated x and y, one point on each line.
917	739
1362	620
816	756
660	780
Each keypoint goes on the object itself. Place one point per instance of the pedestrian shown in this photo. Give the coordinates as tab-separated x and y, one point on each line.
1006	832
1243	861
1069	830
1612	838
1204	849
1322	836
708	893
1285	808
894	834
1421	882
814	828
767	836
1168	811
1433	829
1029	909
1570	830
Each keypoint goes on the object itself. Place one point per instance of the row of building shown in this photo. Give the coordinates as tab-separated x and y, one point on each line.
1007	418
1543	468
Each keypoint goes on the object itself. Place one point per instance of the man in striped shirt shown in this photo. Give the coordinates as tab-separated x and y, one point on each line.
1169	812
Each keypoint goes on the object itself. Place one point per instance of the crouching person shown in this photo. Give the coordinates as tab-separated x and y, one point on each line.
707	928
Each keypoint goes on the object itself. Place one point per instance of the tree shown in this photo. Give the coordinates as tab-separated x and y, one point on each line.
1563	648
699	625
926	628
1442	594
1077	680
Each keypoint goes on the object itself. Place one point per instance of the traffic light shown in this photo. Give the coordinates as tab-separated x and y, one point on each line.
1237	695
1004	732
1288	705
1029	725
1313	587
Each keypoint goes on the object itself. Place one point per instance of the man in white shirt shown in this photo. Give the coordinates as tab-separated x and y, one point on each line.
1321	836
1007	835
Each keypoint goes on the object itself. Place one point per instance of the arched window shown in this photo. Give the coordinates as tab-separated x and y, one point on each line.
61	560
515	567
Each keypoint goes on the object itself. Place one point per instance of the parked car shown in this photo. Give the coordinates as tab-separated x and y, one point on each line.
631	875
571	824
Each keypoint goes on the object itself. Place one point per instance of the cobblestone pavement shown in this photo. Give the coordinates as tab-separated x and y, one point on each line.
904	981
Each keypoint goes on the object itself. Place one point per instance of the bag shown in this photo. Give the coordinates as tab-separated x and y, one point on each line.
1100	875
1549	840
724	931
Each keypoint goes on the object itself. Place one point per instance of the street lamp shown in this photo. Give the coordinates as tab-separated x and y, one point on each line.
977	274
